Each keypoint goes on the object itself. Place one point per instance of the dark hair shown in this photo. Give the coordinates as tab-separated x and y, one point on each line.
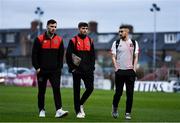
127	26
51	21
82	24
124	26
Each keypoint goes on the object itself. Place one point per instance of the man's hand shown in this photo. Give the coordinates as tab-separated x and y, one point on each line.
116	67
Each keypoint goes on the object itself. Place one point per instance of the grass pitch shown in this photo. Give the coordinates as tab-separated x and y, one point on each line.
19	104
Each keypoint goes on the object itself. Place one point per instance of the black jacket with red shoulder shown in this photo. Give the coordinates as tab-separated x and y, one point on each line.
47	53
82	46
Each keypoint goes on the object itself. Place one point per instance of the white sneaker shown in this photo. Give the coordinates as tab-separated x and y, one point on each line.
79	115
128	116
42	113
115	113
61	113
82	110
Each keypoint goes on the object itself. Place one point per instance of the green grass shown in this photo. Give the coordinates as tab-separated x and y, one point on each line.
19	104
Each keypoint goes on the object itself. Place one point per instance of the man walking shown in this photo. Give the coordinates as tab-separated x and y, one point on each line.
80	58
47	59
125	58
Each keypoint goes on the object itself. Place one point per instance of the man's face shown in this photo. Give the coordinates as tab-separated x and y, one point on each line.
52	28
123	33
83	30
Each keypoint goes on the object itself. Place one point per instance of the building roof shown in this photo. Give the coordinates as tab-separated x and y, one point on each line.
67	34
103	41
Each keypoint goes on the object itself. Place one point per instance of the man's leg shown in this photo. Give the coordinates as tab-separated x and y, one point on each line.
55	78
42	81
88	79
76	89
119	84
129	92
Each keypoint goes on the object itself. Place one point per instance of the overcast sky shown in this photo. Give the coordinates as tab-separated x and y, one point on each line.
108	13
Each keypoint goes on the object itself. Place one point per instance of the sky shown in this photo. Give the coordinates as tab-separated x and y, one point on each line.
109	14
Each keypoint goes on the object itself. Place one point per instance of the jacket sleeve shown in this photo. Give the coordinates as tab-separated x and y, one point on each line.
92	56
61	54
35	53
70	50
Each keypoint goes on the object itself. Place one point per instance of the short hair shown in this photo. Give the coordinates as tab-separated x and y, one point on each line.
51	21
82	24
124	26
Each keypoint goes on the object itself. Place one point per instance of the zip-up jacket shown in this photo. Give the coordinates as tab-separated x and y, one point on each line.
83	47
47	53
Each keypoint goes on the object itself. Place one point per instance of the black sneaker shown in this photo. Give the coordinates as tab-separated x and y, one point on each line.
115	113
128	116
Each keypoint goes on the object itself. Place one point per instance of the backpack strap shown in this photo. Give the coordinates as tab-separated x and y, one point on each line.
134	44
117	43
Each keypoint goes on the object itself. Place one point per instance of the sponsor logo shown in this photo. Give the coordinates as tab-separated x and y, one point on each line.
45	41
88	44
131	45
55	41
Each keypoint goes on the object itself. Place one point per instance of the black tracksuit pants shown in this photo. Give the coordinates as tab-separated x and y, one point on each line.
88	79
54	78
127	77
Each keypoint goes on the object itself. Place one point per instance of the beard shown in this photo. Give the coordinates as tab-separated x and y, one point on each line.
122	37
